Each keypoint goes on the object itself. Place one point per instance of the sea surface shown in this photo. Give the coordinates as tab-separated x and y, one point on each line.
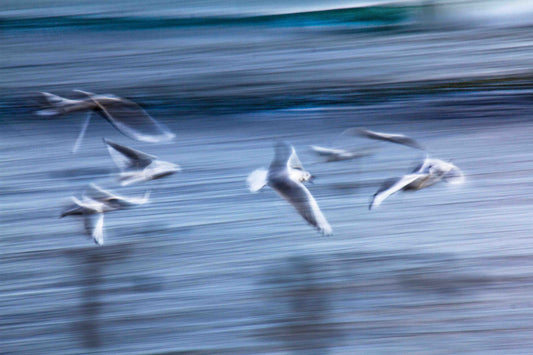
208	267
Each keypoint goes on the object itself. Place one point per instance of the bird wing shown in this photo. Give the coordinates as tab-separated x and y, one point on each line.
96	230
293	161
394	138
392	186
337	154
129	177
86	93
96	193
128	158
84	126
131	120
135	200
326	151
421	168
298	196
57	104
57	101
282	154
285	156
109	198
74	208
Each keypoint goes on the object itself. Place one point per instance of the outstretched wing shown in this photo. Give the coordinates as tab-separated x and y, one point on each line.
298	196
394	138
392	186
60	105
131	177
294	162
108	197
282	154
131	120
96	230
335	154
84	126
285	156
326	151
128	158
96	193
74	208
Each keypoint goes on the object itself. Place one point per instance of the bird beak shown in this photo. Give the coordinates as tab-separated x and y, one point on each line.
311	179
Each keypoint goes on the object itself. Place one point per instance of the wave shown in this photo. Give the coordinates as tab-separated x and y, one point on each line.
374	15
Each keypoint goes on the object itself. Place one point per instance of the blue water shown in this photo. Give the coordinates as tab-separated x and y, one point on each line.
209	268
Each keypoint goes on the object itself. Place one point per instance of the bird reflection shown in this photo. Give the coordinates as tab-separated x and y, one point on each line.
302	302
91	264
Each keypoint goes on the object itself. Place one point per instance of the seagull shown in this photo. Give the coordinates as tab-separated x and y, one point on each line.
424	175
126	116
286	176
95	202
136	166
394	138
338	154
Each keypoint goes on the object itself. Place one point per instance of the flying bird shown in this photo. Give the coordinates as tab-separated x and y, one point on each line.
394	138
125	115
338	154
94	203
136	166
286	176
430	172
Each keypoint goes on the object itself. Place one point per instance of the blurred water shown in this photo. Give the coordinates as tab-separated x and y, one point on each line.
207	267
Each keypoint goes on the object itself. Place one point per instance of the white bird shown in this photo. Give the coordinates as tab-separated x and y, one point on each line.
95	202
338	154
126	116
394	138
286	176
424	175
136	166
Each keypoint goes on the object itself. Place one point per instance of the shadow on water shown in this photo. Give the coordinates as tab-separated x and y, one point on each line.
298	295
95	279
438	278
91	264
79	173
314	301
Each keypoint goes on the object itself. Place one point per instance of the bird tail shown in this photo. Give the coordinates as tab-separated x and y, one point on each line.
257	179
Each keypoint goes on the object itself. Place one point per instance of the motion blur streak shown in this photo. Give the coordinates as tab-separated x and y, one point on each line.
207	267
